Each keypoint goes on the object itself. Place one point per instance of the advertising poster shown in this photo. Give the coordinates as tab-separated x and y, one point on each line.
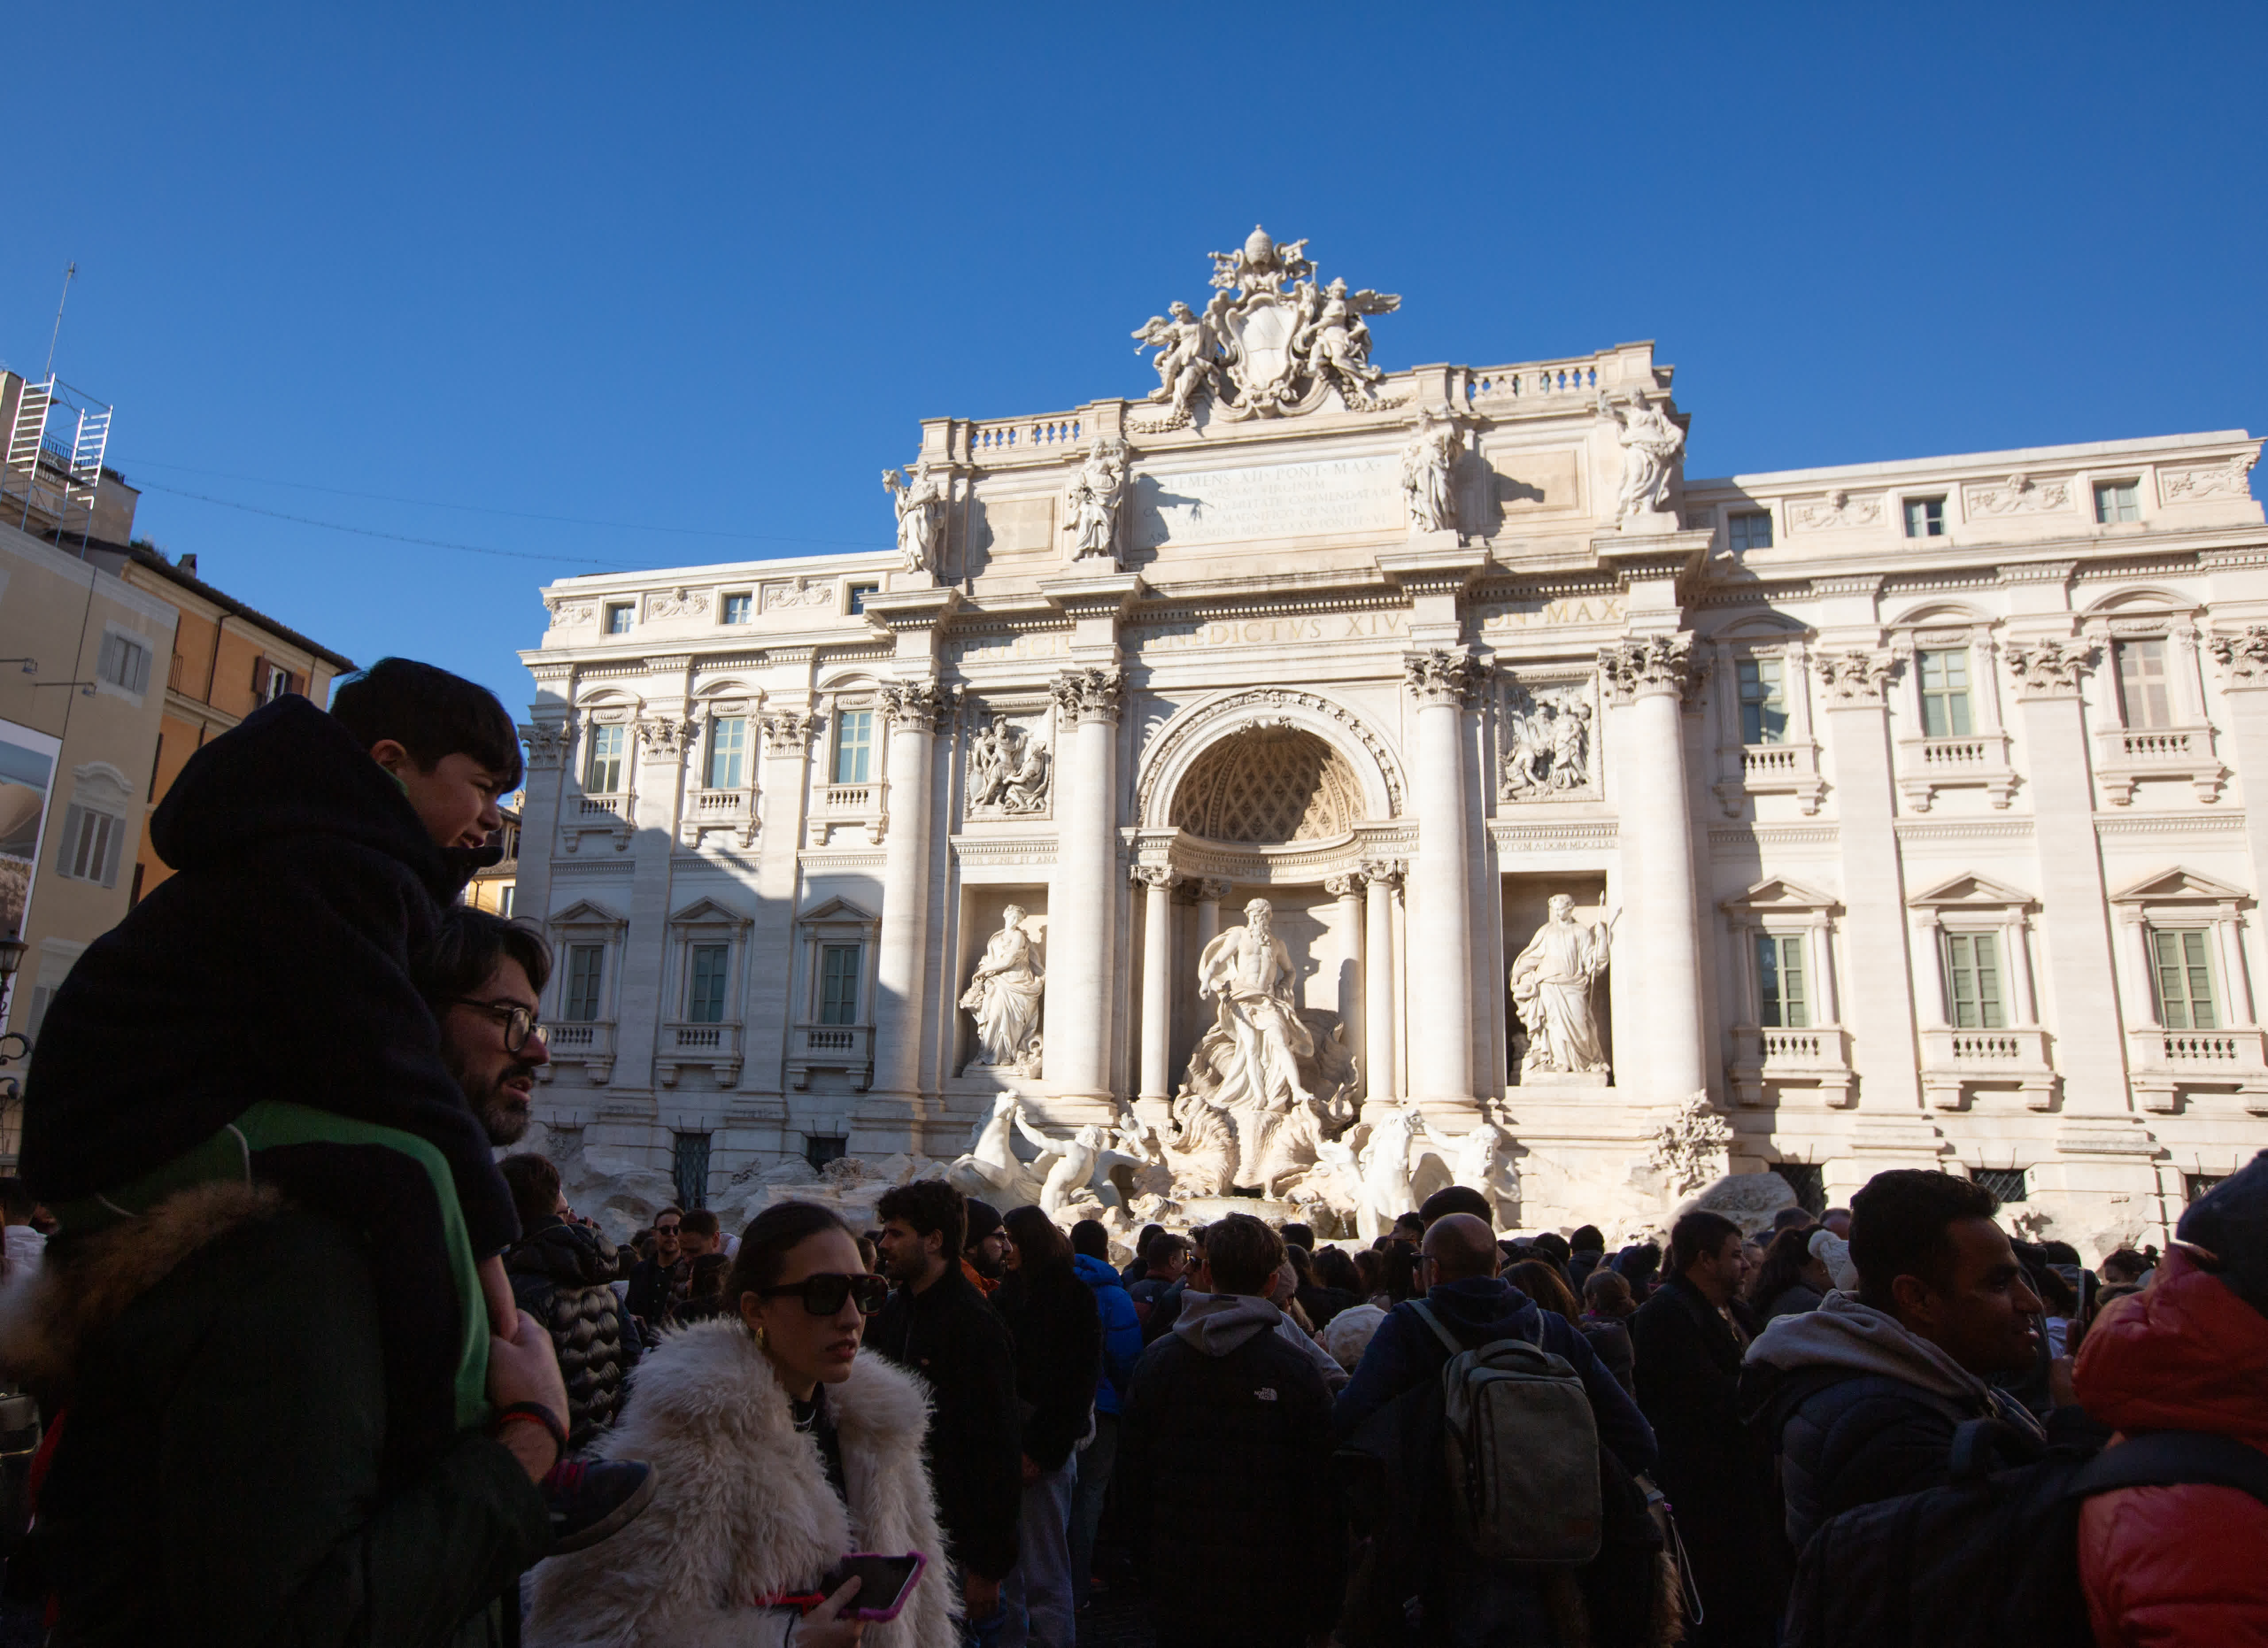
28	769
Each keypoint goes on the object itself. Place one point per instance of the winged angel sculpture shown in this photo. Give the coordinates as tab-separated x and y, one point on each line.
1270	341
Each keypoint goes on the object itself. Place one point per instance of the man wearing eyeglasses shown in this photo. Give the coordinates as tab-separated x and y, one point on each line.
653	1277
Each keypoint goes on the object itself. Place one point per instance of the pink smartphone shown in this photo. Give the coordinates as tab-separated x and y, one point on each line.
884	1583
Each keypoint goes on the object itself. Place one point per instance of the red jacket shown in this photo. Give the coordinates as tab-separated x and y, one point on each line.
2185	1565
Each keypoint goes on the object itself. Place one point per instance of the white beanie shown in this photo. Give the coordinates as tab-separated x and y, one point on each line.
1826	1246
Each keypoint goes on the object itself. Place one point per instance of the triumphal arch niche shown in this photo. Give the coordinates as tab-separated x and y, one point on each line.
1288	773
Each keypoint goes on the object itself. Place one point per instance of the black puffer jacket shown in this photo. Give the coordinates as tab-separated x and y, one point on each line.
561	1275
1058	1333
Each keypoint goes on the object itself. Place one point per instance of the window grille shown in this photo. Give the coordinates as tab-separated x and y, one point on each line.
2008	1184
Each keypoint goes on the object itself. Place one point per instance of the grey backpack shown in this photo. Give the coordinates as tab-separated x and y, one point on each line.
1523	1450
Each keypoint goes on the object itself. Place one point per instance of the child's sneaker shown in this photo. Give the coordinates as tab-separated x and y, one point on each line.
595	1499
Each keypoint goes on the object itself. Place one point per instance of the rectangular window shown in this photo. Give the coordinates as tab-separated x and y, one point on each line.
90	848
1763	707
125	663
2178	957
503	900
1944	694
2142	696
728	752
2115	501
704	990
1972	979
2198	1186
585	970
739	609
690	1169
1779	982
854	745
1749	529
819	1149
859	593
2006	1184
604	774
618	618
1925	517
838	983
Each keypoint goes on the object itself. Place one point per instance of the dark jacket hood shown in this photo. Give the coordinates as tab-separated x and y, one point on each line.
1096	1273
572	1255
1483	1309
290	769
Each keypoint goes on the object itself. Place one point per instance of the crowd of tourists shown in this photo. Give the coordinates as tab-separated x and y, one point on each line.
311	1354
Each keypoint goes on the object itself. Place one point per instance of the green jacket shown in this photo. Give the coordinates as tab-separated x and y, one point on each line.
218	1478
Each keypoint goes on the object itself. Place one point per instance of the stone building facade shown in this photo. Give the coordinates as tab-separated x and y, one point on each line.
1902	809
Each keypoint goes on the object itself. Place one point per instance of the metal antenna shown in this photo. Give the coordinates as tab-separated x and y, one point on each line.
60	302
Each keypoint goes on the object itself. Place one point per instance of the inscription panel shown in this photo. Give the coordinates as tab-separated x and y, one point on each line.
1297	500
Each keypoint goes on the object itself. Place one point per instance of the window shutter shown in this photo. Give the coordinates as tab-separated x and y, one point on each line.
74	823
107	663
113	836
141	669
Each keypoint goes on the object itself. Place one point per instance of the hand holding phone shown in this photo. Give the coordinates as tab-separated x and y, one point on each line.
826	1626
884	1583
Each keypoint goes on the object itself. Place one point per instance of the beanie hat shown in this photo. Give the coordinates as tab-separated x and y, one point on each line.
984	1219
2230	1226
1833	1251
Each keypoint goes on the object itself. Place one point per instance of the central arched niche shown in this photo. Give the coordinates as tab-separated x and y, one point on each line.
1269	785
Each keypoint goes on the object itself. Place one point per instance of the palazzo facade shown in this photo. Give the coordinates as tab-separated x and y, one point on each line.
1902	809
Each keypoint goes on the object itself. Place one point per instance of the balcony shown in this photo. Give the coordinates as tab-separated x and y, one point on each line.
1790	769
589	1044
1955	1063
715	1047
2163	1063
849	806
1817	1055
733	812
612	815
816	1046
1972	761
2124	756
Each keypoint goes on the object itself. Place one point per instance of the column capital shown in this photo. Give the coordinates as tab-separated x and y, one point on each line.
1855	677
549	743
1209	889
920	706
1156	876
1383	872
1089	695
1343	886
2048	668
1446	675
1641	666
790	732
2242	657
664	738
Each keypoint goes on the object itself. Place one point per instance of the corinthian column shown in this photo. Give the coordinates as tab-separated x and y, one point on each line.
1156	882
1081	900
1653	675
1441	1076
913	711
1380	1079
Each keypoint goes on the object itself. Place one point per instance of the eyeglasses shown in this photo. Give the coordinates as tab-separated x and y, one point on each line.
518	1022
824	1293
667	1230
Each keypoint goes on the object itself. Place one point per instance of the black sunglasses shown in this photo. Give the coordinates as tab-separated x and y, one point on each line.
823	1294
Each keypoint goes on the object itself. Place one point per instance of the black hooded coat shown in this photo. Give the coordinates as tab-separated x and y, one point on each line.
274	964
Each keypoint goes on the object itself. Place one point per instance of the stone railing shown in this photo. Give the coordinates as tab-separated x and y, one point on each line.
849	1047
588	1042
1029	439
2124	756
715	1046
1813	1056
2161	1064
1954	1061
1533	382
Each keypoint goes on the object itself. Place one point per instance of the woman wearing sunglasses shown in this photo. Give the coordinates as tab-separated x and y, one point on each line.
777	1450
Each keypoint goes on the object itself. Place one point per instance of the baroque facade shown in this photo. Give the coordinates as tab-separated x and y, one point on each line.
1821	821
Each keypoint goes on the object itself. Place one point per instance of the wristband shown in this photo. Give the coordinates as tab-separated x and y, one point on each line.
534	1413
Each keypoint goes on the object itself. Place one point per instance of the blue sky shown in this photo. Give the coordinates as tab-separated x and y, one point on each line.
698	271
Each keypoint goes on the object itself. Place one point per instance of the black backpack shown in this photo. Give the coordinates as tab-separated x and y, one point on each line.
1990	1559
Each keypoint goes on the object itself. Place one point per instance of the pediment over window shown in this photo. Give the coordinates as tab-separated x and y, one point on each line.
586	913
838	909
1779	894
707	912
1972	892
2180	886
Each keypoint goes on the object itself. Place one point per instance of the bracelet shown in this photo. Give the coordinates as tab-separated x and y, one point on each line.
537	1413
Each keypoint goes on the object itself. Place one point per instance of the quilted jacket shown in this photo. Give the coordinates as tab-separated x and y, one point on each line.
561	1275
2177	1565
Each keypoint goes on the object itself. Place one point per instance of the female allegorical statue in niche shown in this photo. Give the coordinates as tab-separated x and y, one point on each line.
1004	992
1551	982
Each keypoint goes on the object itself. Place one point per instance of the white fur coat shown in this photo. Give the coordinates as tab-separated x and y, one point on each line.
742	1507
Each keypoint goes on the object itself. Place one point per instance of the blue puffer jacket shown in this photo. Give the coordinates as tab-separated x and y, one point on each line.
1122	1331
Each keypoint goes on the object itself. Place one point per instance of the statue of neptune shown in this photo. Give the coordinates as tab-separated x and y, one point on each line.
1004	992
1257	1040
1551	985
